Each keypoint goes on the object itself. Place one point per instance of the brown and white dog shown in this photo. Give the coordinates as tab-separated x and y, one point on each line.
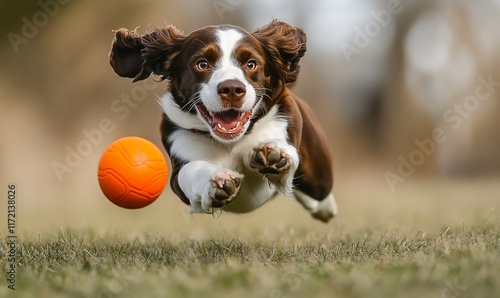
235	133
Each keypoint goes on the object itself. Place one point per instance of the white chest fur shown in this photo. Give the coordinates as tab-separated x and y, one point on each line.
256	190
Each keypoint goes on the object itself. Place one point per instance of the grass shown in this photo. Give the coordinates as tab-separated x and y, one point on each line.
429	238
459	261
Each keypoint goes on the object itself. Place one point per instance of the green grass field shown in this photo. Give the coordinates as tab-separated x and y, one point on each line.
457	262
426	240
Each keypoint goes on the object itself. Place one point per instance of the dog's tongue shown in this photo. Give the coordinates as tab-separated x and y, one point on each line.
227	119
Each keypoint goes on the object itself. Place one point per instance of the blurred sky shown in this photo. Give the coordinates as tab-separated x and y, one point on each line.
403	88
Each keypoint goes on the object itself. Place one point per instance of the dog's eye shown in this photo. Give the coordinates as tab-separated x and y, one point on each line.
251	65
202	64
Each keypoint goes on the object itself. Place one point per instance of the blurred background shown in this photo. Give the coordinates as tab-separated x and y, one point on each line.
407	92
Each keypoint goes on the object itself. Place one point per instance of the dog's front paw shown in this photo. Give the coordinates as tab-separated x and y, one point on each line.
269	159
223	187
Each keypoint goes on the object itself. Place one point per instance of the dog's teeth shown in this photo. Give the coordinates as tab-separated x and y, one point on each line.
221	127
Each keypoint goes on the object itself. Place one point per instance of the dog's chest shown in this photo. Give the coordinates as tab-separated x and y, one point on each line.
191	146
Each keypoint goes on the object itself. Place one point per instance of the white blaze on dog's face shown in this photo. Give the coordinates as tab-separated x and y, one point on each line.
227	99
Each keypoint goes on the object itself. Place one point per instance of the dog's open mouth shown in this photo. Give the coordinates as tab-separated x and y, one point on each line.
227	124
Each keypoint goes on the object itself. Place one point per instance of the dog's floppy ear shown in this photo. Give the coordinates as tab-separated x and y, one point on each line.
284	46
137	56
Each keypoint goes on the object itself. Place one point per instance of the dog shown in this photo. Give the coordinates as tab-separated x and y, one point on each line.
235	133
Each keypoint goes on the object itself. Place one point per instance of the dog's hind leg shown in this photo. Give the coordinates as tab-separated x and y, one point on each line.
323	210
313	180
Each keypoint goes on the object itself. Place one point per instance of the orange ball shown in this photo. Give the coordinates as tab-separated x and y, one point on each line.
132	172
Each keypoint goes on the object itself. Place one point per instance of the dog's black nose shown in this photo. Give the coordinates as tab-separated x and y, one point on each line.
232	92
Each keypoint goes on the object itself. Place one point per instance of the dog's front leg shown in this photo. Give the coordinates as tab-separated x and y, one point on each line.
208	186
277	160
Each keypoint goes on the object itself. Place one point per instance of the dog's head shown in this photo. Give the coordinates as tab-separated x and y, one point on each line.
219	74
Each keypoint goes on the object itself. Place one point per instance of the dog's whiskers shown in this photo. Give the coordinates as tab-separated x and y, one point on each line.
193	100
260	104
263	90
